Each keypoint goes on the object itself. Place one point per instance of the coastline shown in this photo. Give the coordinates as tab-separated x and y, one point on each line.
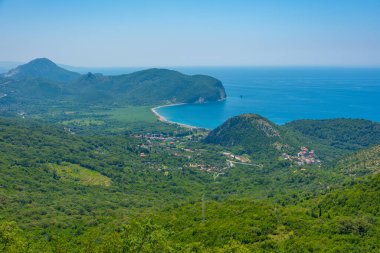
165	120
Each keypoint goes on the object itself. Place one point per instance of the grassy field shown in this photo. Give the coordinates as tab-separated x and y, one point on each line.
113	119
136	119
76	173
132	114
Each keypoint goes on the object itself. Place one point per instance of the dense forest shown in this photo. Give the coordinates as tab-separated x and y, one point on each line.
67	192
342	134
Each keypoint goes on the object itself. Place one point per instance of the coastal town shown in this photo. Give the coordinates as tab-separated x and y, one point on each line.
199	158
186	149
194	156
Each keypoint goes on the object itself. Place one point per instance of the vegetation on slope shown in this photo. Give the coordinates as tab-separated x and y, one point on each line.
361	163
152	86
340	222
342	134
331	139
56	184
41	83
250	133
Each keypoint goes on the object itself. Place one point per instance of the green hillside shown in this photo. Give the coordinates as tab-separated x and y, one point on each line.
361	163
250	133
180	196
39	84
152	86
342	134
331	139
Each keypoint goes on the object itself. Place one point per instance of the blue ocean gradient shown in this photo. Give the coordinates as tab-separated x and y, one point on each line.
285	94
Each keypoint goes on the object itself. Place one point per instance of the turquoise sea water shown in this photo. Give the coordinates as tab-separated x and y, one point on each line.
285	94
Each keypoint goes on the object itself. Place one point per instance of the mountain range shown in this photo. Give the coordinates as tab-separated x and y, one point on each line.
42	81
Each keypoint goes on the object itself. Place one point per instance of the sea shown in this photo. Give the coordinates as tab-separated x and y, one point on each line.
281	94
284	94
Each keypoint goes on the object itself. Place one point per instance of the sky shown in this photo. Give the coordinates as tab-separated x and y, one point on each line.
124	33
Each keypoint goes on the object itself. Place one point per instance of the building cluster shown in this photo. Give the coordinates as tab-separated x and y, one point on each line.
304	156
241	159
204	167
154	137
176	147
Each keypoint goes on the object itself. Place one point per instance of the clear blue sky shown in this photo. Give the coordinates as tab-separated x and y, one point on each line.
192	32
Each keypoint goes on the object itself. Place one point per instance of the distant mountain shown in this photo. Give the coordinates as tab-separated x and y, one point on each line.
250	133
152	86
42	68
173	86
147	87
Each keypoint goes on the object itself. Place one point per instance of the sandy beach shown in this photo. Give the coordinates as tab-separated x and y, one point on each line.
165	120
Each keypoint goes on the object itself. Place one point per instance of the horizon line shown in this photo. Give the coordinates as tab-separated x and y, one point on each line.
63	65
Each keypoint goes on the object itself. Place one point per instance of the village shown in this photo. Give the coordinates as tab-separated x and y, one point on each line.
215	162
304	156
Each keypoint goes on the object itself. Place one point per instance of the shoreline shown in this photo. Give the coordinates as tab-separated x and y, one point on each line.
165	120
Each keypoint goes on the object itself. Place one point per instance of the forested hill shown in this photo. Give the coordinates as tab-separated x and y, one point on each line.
152	86
251	133
343	134
42	82
331	139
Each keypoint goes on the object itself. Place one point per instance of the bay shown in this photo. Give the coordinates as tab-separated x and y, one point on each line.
285	94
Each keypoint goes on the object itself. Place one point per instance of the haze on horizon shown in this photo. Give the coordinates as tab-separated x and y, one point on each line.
192	33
